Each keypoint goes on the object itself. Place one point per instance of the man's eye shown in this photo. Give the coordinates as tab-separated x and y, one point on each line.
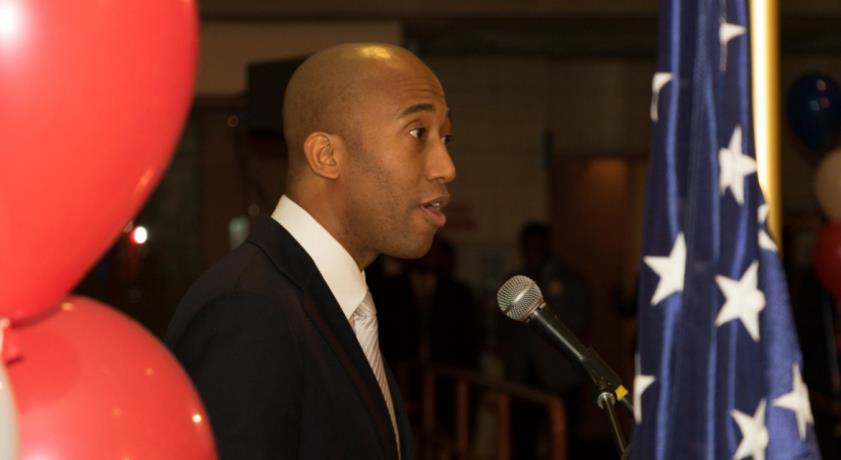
447	139
418	133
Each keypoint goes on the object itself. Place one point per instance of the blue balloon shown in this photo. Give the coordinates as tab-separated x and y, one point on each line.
814	111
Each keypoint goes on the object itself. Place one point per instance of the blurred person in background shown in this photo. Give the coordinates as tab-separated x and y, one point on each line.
433	320
530	359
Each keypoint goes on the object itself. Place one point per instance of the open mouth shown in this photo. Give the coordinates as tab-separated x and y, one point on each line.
434	211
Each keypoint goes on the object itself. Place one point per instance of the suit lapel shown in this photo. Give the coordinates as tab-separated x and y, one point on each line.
327	316
347	350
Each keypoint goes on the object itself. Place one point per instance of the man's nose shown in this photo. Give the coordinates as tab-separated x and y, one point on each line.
441	167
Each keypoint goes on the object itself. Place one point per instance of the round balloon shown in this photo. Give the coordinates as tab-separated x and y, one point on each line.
828	185
814	111
827	258
93	94
91	383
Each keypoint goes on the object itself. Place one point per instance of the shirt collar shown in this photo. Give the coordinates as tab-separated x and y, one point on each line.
344	278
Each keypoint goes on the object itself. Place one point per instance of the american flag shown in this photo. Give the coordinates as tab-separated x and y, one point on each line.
718	366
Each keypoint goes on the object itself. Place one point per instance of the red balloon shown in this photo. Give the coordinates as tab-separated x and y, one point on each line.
91	383
93	96
827	258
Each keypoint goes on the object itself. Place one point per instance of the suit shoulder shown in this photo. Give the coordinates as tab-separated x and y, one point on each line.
244	285
246	268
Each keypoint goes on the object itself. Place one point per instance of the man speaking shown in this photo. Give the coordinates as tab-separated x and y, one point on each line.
280	336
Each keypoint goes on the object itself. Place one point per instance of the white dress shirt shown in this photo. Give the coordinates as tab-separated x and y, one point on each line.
344	278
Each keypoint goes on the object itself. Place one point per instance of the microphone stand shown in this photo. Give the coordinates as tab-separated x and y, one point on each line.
608	389
606	400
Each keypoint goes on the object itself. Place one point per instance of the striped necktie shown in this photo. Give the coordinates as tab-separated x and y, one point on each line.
365	327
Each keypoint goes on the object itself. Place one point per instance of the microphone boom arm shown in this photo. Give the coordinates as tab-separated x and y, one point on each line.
604	378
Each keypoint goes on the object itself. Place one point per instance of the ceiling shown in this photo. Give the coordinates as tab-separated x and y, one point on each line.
551	28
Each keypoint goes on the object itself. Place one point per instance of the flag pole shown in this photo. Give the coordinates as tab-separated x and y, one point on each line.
765	85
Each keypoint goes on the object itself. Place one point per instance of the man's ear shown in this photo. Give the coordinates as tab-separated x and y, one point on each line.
321	151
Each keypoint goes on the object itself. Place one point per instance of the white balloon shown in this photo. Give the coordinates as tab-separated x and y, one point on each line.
828	185
8	418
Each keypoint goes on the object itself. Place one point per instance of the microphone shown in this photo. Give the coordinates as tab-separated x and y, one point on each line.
521	300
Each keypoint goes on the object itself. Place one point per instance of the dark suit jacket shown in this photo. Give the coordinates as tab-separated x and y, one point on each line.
276	362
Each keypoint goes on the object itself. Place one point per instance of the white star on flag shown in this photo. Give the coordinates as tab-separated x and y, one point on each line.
659	80
734	166
641	383
798	401
742	300
726	32
765	240
754	433
670	269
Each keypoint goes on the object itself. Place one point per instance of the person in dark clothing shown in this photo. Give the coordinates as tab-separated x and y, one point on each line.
437	320
434	322
529	359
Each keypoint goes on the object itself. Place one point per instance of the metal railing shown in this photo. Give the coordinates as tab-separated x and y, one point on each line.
439	446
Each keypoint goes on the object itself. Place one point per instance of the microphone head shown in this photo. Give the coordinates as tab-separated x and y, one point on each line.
519	297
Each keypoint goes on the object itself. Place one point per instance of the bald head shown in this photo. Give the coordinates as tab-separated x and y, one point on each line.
367	127
325	92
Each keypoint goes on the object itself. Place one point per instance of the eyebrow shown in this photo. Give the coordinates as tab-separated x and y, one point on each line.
420	108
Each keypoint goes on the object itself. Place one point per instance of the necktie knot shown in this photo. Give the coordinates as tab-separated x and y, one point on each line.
366	309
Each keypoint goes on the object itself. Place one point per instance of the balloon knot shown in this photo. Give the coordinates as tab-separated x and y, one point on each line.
9	342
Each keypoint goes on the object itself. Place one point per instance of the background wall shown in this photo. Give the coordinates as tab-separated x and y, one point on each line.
227	47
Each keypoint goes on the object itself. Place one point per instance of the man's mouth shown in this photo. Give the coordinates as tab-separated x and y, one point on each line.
434	210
